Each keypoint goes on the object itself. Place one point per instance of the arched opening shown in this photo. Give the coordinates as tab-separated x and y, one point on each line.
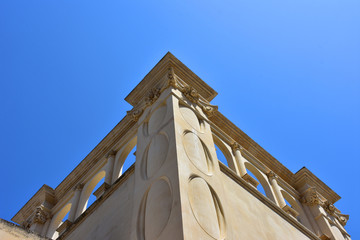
293	207
129	161
93	197
57	220
258	187
88	190
264	186
124	158
223	154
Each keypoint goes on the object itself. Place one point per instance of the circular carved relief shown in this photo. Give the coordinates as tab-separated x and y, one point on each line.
156	119
190	117
156	154
206	208
197	152
155	210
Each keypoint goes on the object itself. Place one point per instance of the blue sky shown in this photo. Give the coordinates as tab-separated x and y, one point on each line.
287	73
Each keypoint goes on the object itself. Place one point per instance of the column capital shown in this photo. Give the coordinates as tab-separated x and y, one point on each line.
110	154
311	197
236	147
79	187
42	214
271	175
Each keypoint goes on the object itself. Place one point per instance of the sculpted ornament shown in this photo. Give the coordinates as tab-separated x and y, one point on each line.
171	78
152	96
41	215
207	107
311	197
135	114
190	93
333	211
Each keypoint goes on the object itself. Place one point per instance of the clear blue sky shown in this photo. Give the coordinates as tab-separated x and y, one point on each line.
287	73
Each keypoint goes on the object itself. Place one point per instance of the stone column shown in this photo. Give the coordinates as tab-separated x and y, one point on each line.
75	202
279	197
239	159
110	168
177	176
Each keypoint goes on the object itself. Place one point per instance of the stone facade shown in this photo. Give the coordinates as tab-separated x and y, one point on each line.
177	188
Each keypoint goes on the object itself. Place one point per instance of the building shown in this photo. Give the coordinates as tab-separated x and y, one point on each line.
177	188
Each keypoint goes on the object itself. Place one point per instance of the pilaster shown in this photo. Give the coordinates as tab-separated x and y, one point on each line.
177	176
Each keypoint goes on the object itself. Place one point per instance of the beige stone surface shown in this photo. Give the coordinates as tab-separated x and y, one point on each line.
111	219
10	231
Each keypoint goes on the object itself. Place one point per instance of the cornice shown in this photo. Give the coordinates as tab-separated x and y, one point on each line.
305	176
154	79
44	195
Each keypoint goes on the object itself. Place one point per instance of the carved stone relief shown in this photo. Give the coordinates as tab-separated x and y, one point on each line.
198	153
190	117
155	210
156	119
206	208
156	154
